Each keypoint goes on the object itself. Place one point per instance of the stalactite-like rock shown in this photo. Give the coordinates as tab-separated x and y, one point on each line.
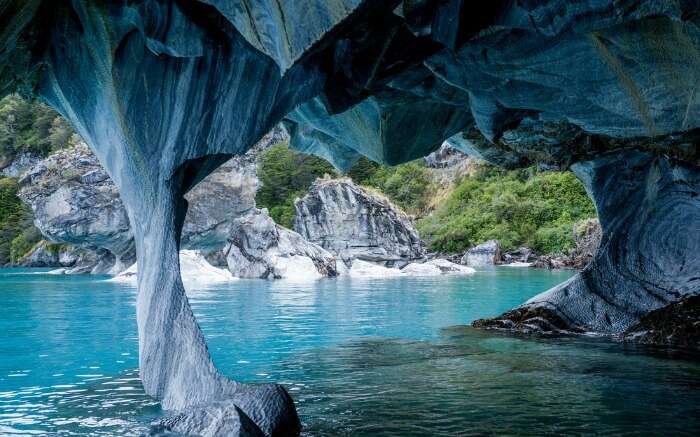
165	91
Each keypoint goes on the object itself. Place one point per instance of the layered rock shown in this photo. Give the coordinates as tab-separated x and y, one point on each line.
259	248
74	201
69	259
351	222
166	91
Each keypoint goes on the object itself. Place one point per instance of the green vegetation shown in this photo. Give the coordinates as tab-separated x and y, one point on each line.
522	207
408	185
285	175
17	234
31	127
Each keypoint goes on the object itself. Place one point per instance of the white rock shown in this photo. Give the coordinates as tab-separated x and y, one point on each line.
194	269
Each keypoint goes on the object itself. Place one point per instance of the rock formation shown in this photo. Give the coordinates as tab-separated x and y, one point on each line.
74	201
259	248
353	223
485	254
69	259
15	166
166	91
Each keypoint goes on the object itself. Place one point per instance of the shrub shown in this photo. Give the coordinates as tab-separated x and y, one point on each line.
24	242
522	207
285	175
15	217
408	185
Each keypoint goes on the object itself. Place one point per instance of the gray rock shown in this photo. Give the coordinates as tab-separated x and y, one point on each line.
42	255
259	248
166	91
16	166
445	157
485	254
587	236
520	255
352	223
213	420
224	195
74	201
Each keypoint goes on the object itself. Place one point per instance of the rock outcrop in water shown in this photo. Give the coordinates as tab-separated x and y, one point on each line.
260	248
166	91
74	201
485	254
353	223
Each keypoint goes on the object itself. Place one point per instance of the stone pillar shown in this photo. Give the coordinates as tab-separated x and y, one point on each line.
174	362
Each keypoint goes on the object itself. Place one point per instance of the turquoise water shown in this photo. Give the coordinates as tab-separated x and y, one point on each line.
360	358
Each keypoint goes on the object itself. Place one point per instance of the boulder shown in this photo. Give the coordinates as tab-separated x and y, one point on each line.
520	255
485	254
259	248
353	223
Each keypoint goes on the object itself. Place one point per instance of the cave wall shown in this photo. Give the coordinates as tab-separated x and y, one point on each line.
164	91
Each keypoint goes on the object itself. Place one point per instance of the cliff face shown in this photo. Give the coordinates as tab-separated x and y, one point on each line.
165	91
74	201
353	223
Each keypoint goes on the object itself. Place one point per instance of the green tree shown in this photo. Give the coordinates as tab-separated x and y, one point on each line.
285	175
15	218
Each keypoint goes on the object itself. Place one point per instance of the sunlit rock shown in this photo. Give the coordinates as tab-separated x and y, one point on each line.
354	223
260	248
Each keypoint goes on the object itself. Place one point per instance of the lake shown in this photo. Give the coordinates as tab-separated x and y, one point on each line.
361	357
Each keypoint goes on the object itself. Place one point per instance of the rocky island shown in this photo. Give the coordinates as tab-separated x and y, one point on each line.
165	92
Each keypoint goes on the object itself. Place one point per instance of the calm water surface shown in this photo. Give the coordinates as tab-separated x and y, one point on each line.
360	358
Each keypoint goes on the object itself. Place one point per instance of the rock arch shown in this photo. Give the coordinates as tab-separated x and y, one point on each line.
161	89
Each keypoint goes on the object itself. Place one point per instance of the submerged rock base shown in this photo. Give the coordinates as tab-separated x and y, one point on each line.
217	419
676	325
649	210
528	320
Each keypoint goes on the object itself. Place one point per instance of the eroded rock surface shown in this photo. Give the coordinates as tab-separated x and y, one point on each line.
353	223
259	248
74	201
677	325
165	91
